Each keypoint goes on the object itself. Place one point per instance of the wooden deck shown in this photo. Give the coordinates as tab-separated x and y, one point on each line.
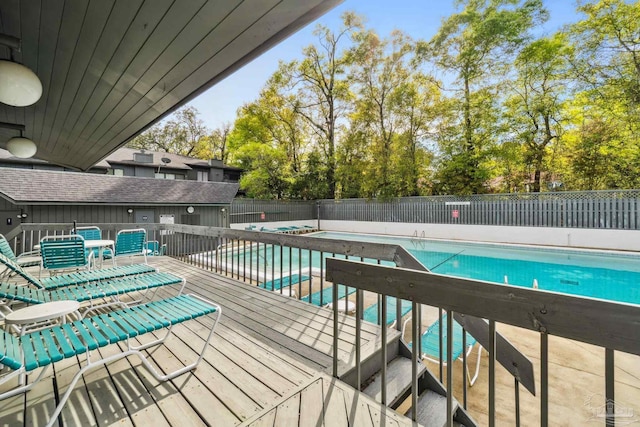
268	364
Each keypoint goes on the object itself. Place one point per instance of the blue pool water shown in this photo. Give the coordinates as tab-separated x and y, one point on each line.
603	275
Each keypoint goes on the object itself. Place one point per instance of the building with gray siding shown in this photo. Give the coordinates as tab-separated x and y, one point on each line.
142	163
45	196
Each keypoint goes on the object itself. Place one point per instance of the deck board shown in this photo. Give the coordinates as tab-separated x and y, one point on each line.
264	367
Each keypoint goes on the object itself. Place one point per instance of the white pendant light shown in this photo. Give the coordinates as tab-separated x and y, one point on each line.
21	147
19	86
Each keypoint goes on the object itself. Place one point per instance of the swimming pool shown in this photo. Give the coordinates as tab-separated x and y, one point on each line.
604	275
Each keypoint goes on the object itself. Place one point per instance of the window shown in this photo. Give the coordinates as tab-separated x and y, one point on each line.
118	172
203	176
163	175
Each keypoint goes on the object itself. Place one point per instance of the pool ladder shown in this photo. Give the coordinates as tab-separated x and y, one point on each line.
418	241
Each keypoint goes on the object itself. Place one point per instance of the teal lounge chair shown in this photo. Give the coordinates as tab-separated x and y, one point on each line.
430	343
24	354
374	312
97	294
325	296
76	278
25	259
284	282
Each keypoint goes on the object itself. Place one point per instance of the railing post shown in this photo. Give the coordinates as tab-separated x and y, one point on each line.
544	379
450	368
440	343
358	338
464	368
492	373
609	376
335	329
415	354
516	387
383	372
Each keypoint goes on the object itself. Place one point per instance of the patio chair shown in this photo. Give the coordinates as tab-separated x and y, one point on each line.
131	243
325	296
64	253
90	233
90	293
152	247
75	278
430	343
25	259
373	313
41	349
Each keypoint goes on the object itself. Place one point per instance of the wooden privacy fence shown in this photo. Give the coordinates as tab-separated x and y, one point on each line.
256	211
615	209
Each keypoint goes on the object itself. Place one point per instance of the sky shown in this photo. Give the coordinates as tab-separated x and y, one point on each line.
420	19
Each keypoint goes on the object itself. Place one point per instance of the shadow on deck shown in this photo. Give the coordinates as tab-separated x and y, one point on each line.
269	364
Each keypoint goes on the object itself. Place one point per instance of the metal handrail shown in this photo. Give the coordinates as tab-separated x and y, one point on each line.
607	324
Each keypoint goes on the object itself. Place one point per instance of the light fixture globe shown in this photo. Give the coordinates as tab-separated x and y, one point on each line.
21	147
19	86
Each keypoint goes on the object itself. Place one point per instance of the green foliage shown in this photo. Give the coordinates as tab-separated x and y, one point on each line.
363	115
534	112
476	44
179	134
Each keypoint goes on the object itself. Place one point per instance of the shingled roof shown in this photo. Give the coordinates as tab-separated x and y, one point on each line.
27	186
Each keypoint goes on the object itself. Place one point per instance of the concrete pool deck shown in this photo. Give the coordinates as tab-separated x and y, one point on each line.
576	378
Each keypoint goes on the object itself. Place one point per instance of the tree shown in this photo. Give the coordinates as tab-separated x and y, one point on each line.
606	137
419	105
321	91
273	122
214	145
265	162
534	111
180	134
608	49
475	44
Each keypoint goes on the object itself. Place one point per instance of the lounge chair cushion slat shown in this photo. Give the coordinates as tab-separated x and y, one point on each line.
63	341
150	318
193	306
106	330
72	338
125	315
431	341
99	336
10	350
88	339
51	347
168	311
122	334
30	358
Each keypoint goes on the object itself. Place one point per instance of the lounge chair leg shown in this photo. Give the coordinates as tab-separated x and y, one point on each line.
475	376
132	351
23	388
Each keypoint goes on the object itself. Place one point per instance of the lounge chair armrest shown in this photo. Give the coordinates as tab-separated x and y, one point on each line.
404	324
28	253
